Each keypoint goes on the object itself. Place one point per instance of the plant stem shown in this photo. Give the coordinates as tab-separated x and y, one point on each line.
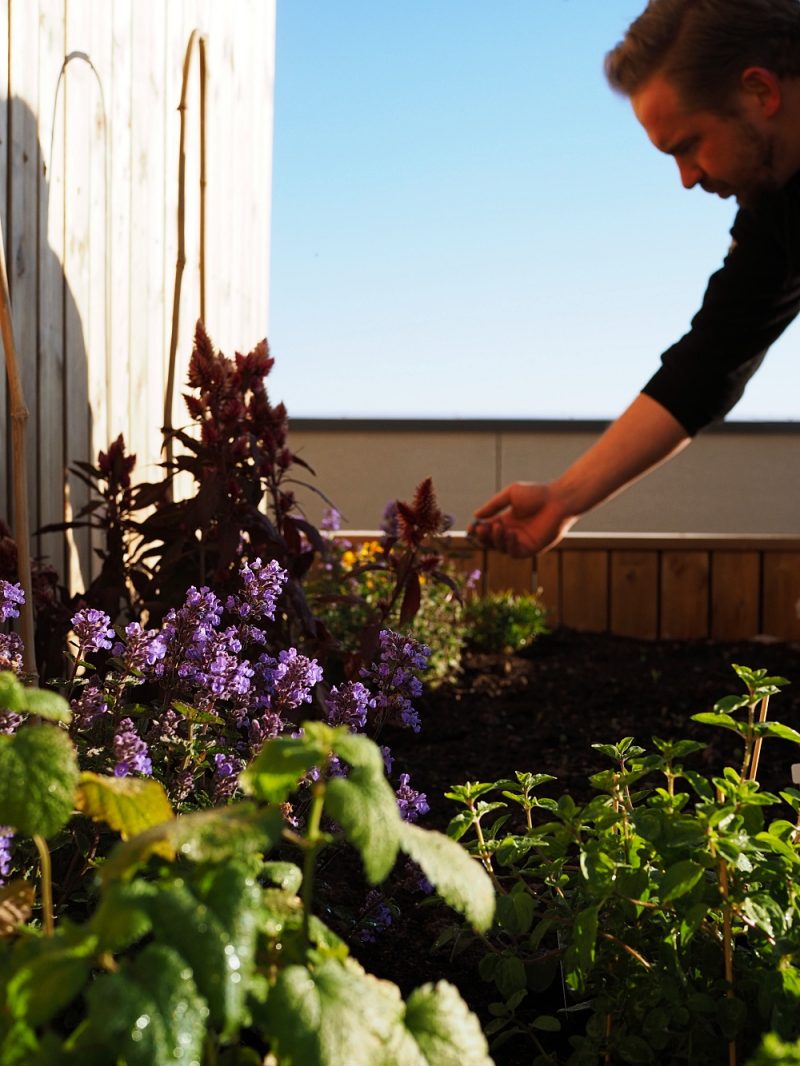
727	945
47	883
312	842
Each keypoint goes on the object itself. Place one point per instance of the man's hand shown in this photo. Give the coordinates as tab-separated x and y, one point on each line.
522	519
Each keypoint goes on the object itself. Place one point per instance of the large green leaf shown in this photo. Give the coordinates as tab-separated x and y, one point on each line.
203	836
49	979
122	916
365	807
214	928
445	1031
332	1015
276	771
150	1013
38	778
456	876
14	696
128	804
680	879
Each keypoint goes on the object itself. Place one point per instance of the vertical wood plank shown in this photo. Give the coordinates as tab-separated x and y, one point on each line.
505	574
584	590
5	164
119	97
52	460
79	91
634	594
781	592
684	595
548	582
21	238
735	595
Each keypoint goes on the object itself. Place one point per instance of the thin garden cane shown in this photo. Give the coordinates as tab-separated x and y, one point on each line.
180	264
762	717
19	422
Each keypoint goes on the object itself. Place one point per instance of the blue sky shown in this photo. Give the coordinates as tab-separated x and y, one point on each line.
467	222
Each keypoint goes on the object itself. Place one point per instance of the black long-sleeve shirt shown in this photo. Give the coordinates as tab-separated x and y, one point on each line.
748	303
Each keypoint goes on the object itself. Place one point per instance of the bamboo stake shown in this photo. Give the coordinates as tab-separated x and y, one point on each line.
195	38
19	422
762	717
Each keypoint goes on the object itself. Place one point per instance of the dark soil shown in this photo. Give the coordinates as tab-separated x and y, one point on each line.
541	711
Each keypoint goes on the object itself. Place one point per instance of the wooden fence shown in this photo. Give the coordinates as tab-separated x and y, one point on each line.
674	586
89	134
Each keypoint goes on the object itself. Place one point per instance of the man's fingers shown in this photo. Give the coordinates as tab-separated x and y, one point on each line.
495	504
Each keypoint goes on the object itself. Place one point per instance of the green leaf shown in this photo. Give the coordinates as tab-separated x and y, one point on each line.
456	876
332	1015
148	1014
276	771
203	836
724	721
38	778
47	982
214	929
127	804
193	714
46	704
12	692
776	729
365	807
122	915
680	879
509	976
446	1032
579	956
284	875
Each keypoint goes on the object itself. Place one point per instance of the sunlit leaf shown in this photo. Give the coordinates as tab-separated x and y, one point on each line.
128	804
38	778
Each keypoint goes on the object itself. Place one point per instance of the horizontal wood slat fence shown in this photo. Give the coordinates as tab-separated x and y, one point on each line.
653	586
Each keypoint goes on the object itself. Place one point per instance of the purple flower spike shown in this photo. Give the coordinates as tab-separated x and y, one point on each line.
348	705
93	630
6	836
226	776
394	678
410	802
261	586
12	598
289	678
11	651
89	706
130	751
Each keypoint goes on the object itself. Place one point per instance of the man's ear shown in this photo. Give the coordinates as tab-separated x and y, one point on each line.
764	87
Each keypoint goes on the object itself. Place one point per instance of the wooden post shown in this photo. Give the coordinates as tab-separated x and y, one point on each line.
19	421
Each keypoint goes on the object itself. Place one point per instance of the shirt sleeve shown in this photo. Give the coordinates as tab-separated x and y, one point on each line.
748	303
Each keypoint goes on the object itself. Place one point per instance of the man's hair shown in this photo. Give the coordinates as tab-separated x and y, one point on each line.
702	46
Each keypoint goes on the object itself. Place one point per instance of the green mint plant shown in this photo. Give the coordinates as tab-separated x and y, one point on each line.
199	947
504	621
657	922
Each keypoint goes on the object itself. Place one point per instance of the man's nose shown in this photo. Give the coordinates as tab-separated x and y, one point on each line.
690	173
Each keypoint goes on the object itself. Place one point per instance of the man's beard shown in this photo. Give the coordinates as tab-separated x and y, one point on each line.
759	177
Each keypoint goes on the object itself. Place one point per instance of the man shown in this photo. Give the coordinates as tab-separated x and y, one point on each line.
716	85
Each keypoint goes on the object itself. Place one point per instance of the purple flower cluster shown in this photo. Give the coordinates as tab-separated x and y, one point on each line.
289	679
90	705
142	649
93	630
376	917
6	836
395	678
410	802
12	597
349	705
226	776
331	520
130	751
261	586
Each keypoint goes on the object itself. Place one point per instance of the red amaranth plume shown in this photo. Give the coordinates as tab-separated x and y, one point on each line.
421	518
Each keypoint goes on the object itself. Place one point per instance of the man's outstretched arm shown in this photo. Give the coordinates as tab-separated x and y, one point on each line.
527	517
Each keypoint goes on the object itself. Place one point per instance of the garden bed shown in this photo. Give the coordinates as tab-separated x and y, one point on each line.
540	711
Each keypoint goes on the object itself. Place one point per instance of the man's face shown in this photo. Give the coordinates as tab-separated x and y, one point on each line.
730	155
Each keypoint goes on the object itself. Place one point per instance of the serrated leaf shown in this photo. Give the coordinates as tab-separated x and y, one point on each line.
455	875
333	1015
38	778
365	807
16	905
150	1013
12	692
203	836
46	982
446	1032
128	804
214	930
680	879
46	704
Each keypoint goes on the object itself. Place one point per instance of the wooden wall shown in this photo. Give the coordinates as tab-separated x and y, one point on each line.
654	586
89	133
